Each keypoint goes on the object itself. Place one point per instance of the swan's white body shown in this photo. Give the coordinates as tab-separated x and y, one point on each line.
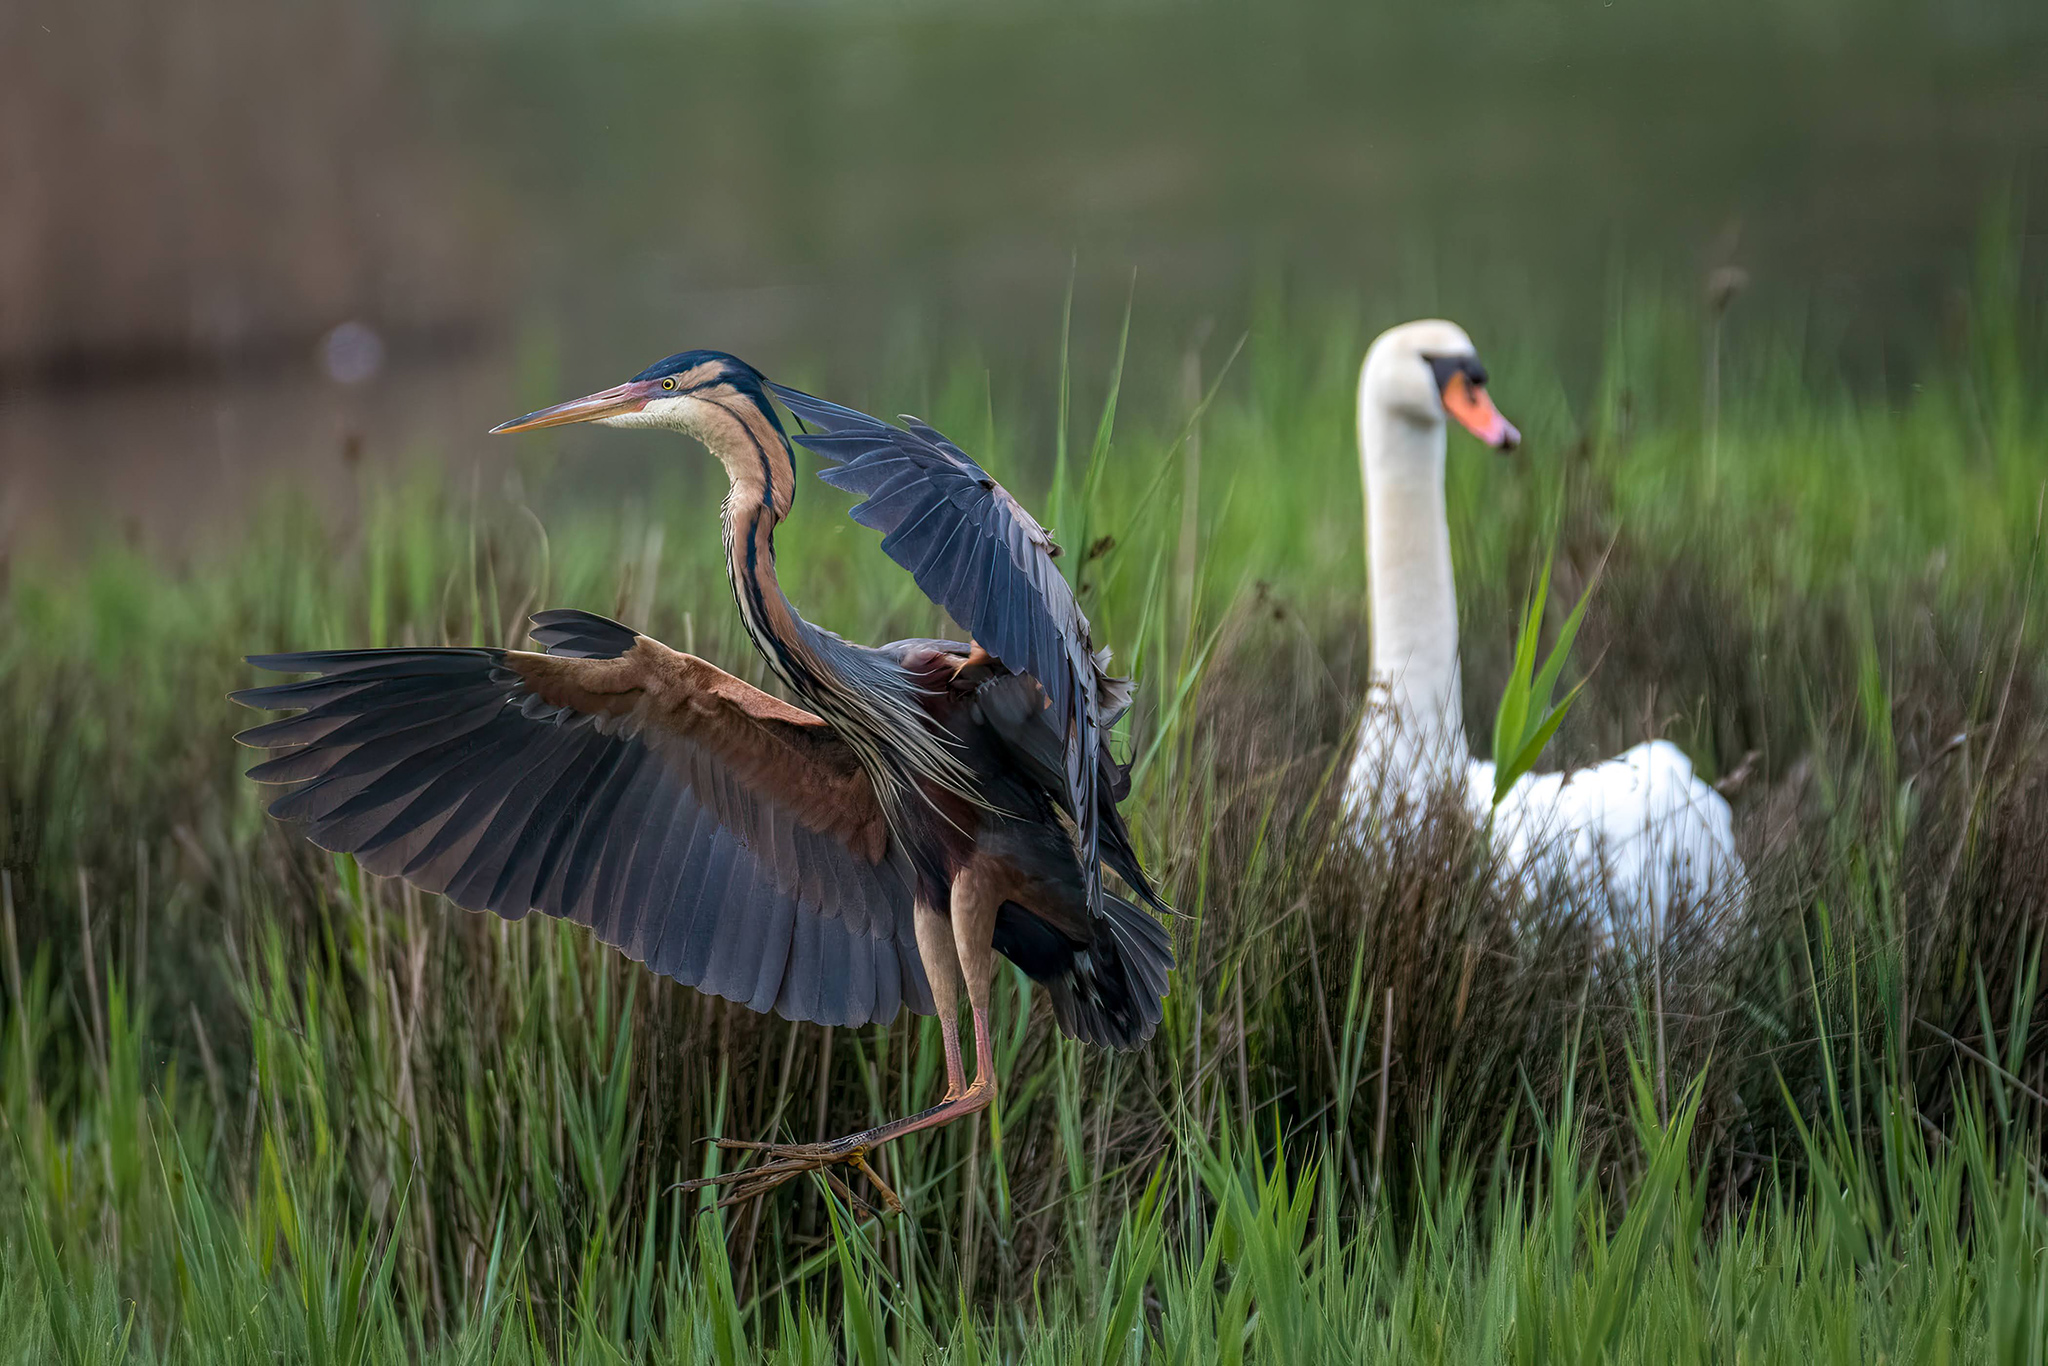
1626	839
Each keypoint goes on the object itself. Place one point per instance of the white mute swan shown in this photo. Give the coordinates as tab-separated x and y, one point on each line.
1624	838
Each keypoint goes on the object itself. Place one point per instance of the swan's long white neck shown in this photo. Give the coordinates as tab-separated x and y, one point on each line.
1416	727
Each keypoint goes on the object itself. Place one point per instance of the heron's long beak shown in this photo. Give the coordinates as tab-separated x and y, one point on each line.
1468	402
629	397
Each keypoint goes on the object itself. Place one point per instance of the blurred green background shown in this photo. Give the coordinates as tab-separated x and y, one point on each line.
518	202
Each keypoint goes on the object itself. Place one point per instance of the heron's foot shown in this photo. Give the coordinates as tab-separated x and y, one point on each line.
781	1163
778	1164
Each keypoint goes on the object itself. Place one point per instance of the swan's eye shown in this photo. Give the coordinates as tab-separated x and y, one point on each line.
1444	369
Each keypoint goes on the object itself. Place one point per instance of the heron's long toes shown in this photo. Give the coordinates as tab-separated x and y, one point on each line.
744	1191
861	1208
771	1167
779	1163
838	1150
894	1205
749	1183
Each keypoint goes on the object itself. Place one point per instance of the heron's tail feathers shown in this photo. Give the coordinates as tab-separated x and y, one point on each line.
1107	992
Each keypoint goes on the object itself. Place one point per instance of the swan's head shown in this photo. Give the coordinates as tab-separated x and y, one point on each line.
1423	371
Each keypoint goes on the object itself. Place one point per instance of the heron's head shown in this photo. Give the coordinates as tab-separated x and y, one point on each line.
697	392
1425	371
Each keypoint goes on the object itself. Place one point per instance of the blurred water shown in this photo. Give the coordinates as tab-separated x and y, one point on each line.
813	179
859	191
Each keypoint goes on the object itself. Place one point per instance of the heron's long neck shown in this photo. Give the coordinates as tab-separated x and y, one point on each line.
771	621
757	460
866	696
1414	603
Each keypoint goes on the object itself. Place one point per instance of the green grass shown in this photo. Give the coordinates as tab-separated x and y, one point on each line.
260	1107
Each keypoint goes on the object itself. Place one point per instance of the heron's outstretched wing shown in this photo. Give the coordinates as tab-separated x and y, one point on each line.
704	828
977	553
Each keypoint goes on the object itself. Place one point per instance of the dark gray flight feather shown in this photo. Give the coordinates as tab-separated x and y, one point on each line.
976	552
438	766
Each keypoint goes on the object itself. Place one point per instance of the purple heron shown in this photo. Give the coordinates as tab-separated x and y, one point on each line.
923	807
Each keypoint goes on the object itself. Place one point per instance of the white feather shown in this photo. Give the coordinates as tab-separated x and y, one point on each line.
1628	840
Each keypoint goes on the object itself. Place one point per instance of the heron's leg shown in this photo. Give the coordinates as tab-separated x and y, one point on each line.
942	971
976	894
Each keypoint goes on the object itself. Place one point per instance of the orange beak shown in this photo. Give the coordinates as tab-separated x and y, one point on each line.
629	397
1468	402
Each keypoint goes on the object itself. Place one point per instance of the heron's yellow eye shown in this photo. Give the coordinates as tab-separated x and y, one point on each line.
669	383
